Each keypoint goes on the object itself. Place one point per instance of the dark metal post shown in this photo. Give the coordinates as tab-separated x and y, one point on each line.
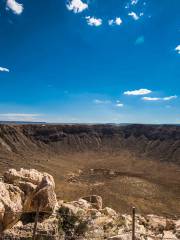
1	235
35	224
133	223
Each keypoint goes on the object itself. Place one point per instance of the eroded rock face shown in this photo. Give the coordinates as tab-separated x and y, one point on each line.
11	202
25	191
40	196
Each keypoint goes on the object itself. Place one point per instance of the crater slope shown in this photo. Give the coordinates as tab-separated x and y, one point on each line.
128	165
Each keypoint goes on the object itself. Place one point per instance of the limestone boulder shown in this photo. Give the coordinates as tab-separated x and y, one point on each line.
11	205
38	189
12	176
24	192
44	199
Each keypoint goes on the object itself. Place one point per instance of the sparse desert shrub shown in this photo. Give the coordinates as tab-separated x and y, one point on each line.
72	224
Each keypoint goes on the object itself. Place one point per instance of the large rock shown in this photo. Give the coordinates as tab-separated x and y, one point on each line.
25	191
13	176
38	188
11	205
44	196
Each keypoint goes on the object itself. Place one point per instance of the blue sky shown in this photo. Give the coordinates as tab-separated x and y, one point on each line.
91	61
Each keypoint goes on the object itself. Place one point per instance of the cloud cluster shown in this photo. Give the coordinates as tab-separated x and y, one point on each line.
116	21
3	69
133	3
14	6
92	21
144	91
141	91
76	6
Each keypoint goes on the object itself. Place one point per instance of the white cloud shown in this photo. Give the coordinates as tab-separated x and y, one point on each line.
178	49
97	101
16	7
92	21
169	98
3	69
76	6
19	116
134	2
133	15
119	104
151	99
116	21
159	99
138	92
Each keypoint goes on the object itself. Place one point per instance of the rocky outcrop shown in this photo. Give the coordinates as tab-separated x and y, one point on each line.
25	191
84	219
81	221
